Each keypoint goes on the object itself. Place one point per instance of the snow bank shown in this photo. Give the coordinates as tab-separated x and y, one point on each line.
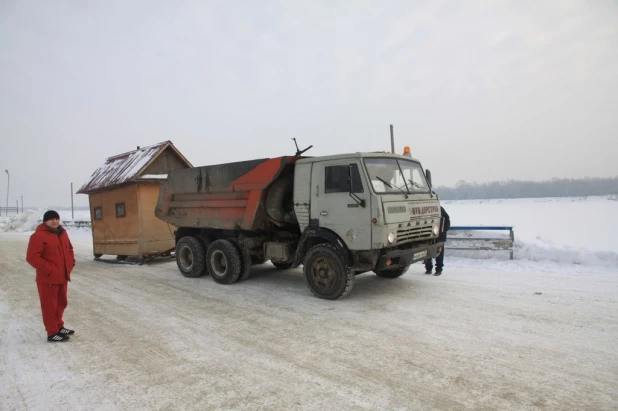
20	223
526	251
568	255
28	222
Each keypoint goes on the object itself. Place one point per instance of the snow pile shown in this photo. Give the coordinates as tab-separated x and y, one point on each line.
529	251
20	223
27	222
568	255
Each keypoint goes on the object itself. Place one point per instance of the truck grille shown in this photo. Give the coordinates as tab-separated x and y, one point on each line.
415	233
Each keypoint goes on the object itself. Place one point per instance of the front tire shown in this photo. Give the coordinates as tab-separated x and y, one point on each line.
190	257
224	262
326	273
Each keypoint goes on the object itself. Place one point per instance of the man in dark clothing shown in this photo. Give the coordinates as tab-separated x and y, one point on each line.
444	227
50	252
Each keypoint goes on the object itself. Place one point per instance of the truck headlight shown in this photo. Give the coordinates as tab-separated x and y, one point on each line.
391	238
436	230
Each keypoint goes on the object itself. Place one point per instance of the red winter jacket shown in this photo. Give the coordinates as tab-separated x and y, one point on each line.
51	254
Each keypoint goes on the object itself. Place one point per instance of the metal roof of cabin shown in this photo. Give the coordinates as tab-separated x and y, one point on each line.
126	167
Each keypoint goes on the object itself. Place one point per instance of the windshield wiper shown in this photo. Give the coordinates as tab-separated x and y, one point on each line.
416	184
391	186
385	182
421	187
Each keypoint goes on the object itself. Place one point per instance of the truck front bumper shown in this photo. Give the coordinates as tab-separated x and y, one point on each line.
395	259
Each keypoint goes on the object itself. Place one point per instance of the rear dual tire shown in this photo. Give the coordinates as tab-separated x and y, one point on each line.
224	262
190	257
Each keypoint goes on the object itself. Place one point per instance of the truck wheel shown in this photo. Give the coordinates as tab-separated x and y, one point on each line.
245	257
326	273
246	265
190	256
282	266
224	262
392	273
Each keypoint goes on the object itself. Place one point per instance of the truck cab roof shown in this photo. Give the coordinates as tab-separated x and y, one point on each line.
375	154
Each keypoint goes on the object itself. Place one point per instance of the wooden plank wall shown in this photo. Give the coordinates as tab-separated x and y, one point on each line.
155	235
166	162
98	226
113	235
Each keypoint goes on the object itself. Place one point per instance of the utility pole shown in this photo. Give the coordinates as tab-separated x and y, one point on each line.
392	140
8	183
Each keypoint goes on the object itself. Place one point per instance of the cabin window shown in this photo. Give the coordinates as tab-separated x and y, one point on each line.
98	213
120	210
336	179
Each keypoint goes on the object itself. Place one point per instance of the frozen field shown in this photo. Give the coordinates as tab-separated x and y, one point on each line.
538	332
586	224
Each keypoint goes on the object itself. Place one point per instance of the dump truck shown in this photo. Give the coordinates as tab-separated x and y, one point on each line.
338	216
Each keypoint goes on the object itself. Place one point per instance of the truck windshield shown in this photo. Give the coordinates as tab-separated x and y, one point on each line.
390	175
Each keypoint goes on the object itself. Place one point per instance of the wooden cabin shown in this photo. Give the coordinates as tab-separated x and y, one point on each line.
123	195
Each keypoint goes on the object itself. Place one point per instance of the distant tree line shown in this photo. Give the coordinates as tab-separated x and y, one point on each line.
557	187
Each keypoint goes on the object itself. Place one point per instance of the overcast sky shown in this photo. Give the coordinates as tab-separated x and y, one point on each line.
480	90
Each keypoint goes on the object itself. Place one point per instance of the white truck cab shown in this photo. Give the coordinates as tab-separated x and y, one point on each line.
380	205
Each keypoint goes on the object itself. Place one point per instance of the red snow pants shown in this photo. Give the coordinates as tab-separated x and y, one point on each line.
53	302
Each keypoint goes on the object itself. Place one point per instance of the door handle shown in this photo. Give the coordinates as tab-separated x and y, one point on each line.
324	213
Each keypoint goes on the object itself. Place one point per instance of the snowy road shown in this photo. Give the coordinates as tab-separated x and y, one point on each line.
148	338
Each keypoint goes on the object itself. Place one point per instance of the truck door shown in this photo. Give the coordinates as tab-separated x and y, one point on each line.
333	206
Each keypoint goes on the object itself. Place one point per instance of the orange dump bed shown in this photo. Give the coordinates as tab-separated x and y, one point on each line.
225	196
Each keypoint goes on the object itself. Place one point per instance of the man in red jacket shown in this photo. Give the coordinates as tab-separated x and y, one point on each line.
50	252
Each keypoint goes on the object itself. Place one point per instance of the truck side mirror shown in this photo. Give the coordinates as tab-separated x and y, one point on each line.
428	176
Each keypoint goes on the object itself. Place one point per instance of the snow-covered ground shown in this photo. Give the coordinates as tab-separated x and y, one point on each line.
538	332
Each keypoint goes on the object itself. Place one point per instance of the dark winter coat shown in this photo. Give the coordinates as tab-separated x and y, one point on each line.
50	252
445	226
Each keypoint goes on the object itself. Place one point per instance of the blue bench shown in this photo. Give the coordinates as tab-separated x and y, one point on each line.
486	243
